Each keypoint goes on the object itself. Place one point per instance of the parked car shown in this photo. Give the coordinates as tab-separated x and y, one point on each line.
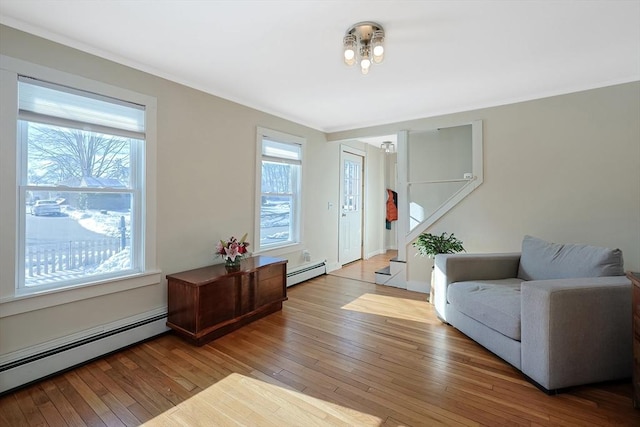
45	207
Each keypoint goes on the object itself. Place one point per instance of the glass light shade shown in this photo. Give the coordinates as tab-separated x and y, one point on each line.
349	57
349	54
378	54
349	45
365	64
377	43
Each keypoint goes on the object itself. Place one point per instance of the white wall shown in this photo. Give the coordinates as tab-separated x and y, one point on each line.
375	198
564	168
203	142
437	155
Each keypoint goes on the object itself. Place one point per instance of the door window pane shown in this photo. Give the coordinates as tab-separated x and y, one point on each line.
352	186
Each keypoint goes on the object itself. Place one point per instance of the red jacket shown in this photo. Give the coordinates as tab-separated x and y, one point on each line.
392	209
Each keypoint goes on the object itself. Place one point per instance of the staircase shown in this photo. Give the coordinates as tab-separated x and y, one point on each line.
393	275
396	274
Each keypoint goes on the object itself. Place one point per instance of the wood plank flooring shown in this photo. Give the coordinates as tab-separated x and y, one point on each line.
365	270
342	352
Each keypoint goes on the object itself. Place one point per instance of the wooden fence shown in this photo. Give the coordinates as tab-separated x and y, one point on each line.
49	258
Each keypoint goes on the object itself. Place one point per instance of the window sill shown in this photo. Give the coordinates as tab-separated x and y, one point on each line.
280	250
17	304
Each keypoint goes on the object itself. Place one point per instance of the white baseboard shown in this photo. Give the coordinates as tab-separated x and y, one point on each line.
25	366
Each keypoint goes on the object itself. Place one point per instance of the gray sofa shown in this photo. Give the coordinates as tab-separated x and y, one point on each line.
559	313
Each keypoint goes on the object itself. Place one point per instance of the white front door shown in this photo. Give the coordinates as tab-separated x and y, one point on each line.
351	191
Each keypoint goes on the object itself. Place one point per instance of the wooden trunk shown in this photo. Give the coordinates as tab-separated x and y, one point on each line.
209	302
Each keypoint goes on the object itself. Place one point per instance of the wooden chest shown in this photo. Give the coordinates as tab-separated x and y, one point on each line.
209	302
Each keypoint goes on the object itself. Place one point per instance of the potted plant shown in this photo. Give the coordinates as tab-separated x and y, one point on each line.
430	245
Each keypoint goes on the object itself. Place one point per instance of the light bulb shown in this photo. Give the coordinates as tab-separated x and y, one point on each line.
349	57
349	45
365	63
377	41
378	54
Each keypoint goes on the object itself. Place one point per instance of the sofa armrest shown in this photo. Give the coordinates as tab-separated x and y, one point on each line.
576	331
450	268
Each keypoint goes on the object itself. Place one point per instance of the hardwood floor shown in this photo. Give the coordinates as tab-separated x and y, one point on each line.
341	352
365	270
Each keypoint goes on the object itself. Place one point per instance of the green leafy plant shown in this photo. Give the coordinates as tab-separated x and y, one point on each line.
430	245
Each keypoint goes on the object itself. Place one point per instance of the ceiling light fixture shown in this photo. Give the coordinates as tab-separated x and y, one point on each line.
388	147
364	43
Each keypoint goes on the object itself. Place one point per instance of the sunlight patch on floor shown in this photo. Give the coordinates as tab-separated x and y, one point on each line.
242	400
383	305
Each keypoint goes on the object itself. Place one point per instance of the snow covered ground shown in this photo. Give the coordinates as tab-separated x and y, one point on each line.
107	223
102	222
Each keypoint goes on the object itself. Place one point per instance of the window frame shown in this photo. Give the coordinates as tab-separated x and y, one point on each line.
295	242
14	298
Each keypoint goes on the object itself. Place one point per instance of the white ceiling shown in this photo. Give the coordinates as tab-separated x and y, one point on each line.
285	57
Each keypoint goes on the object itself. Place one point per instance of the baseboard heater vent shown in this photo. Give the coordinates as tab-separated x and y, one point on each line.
305	272
27	366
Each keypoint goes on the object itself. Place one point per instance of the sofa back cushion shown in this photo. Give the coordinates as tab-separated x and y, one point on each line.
542	260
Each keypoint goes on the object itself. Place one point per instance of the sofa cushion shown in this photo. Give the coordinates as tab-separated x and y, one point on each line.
494	303
541	260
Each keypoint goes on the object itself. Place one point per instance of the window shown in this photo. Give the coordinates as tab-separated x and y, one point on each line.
352	186
279	184
80	186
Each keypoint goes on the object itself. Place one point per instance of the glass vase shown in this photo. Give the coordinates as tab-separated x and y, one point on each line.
232	265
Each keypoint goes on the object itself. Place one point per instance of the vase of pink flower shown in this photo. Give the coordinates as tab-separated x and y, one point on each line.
232	251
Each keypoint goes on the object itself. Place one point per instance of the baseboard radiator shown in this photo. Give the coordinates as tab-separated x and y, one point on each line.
305	272
26	366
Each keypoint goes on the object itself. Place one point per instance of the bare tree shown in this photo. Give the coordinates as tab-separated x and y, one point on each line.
70	153
276	178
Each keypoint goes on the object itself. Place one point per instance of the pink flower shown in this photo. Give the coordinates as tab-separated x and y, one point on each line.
232	249
232	252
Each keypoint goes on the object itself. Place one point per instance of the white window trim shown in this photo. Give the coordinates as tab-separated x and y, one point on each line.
282	137
11	302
